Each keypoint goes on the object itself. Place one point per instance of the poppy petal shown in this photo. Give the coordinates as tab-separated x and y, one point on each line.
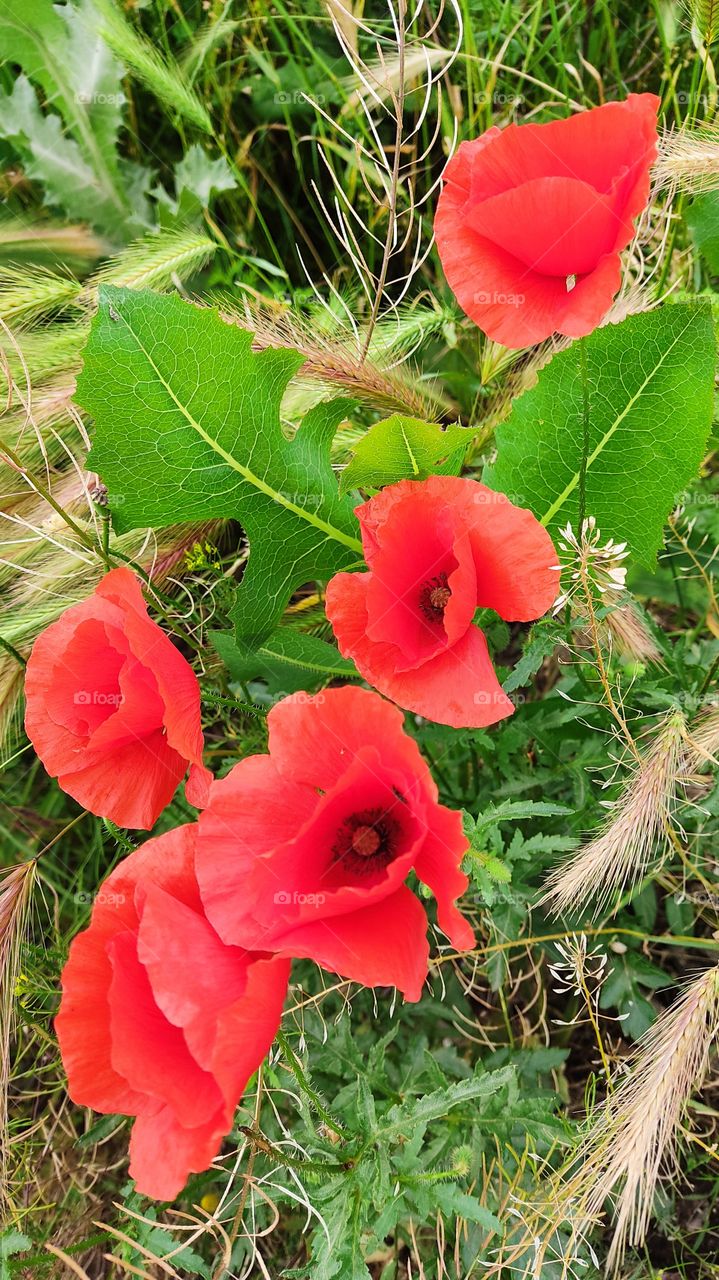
381	945
437	865
148	1050
132	786
515	559
244	1031
84	1019
163	1152
527	210
313	739
555	226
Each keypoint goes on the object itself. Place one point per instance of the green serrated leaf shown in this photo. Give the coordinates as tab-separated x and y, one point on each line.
400	448
202	174
420	1111
287	660
649	384
543	640
518	810
456	1203
11	1242
187	427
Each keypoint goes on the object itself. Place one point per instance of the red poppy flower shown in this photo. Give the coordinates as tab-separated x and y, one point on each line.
159	1019
113	708
305	851
532	218
437	550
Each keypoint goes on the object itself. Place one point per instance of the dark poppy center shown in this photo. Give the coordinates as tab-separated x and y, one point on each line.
366	841
434	597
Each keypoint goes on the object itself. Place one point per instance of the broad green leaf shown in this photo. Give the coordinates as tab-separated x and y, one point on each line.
187	428
287	660
648	391
400	448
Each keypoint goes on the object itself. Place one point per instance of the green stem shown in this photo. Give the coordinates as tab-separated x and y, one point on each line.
709	676
14	653
295	1067
585	436
260	1143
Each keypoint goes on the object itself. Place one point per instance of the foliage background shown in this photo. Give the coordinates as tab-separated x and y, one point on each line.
186	148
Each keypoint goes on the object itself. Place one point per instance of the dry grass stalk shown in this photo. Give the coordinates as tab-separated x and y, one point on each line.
634	1139
640	820
15	892
688	160
329	358
342	16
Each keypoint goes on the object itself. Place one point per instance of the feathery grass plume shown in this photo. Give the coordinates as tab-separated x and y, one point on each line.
156	260
23	240
688	160
27	293
333	357
629	632
47	351
703	745
635	1137
206	39
162	78
704	16
641	819
15	893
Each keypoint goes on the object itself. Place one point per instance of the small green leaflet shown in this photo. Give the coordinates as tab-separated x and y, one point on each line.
287	660
400	448
11	1242
648	389
187	428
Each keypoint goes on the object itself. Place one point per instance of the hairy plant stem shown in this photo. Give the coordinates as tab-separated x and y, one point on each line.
321	1167
601	666
295	1067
